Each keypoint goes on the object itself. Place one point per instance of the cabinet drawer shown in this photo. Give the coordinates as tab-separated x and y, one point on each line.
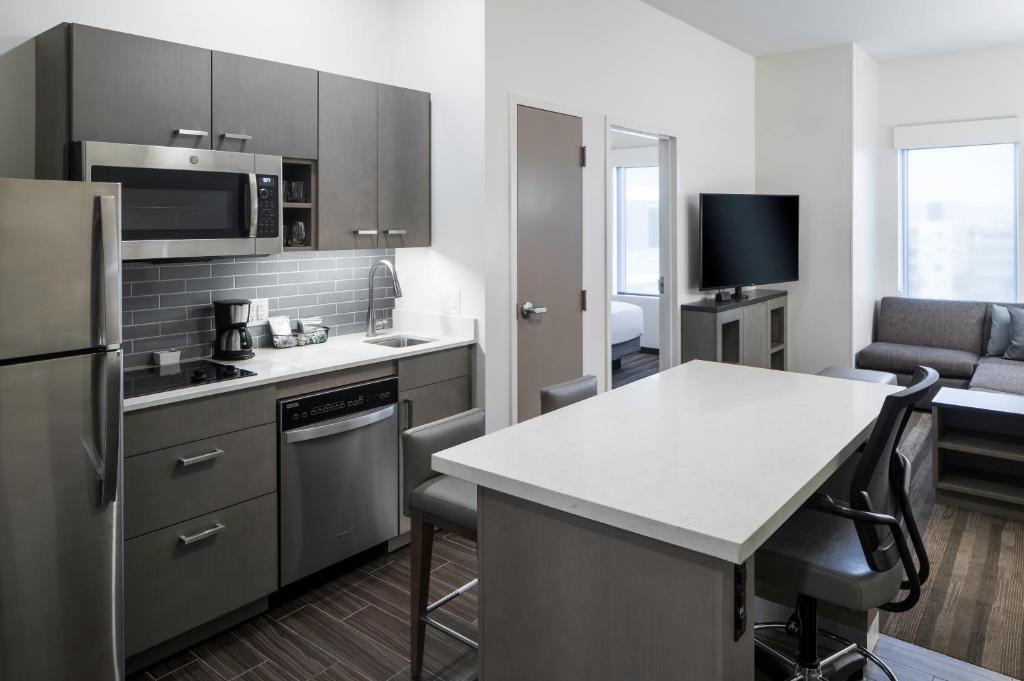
433	368
172	586
172	485
174	424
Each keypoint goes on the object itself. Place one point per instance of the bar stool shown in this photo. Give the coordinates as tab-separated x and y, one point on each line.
563	394
433	502
855	554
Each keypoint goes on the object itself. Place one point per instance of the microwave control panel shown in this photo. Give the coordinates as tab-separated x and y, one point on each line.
267	192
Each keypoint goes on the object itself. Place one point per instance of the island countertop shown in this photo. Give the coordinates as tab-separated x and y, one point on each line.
705	456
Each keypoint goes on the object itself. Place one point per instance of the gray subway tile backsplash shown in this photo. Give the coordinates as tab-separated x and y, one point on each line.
169	305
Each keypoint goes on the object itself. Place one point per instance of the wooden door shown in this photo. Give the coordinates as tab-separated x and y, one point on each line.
549	253
135	90
404	171
348	163
264	107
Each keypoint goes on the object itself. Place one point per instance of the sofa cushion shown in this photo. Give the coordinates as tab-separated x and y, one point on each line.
1016	347
951	324
903	359
999	331
995	374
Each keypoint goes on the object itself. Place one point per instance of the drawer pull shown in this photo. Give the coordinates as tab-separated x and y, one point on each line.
187	539
396	232
186	461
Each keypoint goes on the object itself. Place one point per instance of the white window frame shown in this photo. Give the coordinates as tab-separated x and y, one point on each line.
1006	130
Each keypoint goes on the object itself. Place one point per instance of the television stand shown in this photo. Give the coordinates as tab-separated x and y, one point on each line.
750	330
726	296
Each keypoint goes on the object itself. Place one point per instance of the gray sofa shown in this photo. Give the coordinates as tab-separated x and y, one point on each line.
949	336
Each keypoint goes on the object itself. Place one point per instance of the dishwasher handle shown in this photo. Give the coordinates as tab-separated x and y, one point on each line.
338	426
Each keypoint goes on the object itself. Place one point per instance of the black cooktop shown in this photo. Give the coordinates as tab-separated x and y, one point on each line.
149	380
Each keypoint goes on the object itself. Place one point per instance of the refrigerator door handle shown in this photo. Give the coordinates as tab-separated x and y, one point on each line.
109	400
109	272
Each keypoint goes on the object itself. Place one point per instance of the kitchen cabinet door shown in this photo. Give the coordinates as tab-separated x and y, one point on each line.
404	177
347	168
264	107
135	90
435	401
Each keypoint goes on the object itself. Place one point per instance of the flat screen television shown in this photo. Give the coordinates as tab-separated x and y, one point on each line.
748	240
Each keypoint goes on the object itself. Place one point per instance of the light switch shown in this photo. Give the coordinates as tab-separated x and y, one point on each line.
452	301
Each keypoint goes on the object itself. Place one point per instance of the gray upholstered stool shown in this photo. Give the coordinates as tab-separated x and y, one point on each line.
865	375
562	395
855	554
435	501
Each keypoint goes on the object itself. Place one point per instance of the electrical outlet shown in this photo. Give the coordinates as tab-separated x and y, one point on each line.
259	310
452	301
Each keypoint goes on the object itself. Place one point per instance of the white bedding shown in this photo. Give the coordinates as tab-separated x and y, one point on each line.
627	321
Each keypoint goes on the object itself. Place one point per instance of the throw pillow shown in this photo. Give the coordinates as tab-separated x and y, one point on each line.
999	334
1016	349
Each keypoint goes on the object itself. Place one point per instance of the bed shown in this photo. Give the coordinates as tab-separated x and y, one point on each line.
627	325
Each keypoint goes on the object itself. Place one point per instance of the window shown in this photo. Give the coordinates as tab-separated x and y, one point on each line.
636	228
959	218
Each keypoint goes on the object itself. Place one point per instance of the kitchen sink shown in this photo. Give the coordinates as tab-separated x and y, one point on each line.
398	341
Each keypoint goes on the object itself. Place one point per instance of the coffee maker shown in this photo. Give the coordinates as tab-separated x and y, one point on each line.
233	341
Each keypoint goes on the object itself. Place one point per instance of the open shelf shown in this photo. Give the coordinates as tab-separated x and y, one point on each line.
989	444
299	207
1001	488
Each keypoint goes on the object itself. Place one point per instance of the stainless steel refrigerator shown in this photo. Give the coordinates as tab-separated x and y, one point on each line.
60	431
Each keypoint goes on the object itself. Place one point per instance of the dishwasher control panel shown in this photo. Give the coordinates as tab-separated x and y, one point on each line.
331	404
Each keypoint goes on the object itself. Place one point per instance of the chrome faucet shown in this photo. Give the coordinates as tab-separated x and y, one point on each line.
371	323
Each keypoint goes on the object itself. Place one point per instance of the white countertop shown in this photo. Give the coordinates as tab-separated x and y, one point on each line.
342	352
710	457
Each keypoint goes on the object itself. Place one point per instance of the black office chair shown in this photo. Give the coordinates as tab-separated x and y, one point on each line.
434	501
562	395
854	553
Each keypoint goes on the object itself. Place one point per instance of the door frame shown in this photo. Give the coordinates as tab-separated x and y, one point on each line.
668	246
514	102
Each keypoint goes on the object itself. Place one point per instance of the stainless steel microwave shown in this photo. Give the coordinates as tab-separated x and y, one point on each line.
190	203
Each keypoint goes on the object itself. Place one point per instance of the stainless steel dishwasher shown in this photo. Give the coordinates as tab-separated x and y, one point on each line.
339	474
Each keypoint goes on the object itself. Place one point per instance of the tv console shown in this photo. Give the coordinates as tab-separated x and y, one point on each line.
750	330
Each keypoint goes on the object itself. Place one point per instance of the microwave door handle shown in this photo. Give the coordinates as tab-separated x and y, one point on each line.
108	271
254	206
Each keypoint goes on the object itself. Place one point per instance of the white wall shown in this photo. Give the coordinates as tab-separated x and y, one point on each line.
439	46
955	87
805	147
350	37
607	57
865	220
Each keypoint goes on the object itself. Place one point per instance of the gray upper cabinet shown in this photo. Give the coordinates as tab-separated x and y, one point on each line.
404	167
264	107
348	163
135	90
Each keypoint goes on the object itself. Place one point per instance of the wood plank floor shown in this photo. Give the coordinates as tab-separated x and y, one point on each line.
355	627
635	365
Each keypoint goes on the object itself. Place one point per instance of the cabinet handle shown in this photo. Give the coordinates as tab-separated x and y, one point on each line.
185	132
365	232
199	458
396	232
187	539
407	412
236	136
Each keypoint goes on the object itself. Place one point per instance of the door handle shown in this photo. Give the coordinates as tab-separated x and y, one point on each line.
236	136
365	232
254	206
187	539
109	270
185	132
396	232
529	310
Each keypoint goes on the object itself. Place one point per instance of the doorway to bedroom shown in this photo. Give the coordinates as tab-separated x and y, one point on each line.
639	254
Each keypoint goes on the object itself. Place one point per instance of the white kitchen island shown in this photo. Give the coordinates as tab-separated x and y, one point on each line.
613	533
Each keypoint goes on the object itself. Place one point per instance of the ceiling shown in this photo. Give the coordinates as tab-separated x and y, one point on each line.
886	29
